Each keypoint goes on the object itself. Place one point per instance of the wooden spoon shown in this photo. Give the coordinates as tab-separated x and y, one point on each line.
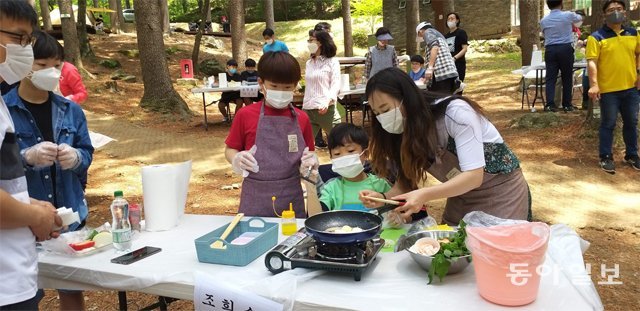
218	244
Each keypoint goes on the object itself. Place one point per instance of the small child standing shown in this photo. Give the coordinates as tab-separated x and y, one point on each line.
271	142
417	68
251	76
348	150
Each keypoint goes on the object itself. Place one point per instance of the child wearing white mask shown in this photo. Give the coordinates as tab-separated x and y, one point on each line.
348	150
53	138
271	141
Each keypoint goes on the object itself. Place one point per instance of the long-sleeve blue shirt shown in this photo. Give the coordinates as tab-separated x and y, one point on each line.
557	27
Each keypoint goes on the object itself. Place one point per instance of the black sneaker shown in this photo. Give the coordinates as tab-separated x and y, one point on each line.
634	161
568	109
550	108
607	165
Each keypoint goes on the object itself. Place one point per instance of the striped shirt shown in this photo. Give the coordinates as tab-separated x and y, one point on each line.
322	82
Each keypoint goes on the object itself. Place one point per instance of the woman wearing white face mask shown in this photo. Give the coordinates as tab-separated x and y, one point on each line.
271	141
451	139
322	82
54	140
458	42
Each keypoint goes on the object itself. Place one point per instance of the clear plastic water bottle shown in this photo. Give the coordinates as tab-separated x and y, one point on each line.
120	227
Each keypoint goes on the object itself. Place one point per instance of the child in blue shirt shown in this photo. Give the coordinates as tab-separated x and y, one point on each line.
271	44
417	68
347	148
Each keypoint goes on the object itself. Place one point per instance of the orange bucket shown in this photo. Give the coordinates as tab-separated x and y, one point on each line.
506	261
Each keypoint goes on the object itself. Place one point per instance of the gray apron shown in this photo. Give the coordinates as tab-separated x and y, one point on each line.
503	193
280	145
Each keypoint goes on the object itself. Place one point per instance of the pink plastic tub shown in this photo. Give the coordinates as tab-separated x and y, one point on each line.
506	261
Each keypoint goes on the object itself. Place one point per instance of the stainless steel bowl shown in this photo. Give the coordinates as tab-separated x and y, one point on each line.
405	242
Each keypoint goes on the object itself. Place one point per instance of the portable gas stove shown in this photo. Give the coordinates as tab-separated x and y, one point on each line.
301	250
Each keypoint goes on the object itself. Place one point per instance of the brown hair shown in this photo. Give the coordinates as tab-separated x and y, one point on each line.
327	46
414	150
279	67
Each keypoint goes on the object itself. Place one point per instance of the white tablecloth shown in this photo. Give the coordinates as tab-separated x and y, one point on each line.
394	282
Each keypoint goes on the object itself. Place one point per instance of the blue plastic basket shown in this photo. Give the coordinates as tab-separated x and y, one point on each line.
238	255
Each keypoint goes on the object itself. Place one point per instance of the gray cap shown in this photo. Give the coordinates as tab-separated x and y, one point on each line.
385	36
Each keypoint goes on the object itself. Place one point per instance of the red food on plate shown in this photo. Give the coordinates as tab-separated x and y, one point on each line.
82	245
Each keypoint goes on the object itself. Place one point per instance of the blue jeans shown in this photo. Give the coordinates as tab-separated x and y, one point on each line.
626	102
559	58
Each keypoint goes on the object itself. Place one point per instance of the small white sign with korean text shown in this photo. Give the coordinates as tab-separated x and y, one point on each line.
210	294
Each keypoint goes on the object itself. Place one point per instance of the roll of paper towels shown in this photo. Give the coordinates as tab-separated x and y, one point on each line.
222	79
344	82
164	191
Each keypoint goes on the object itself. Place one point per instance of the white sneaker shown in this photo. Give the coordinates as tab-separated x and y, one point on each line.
460	88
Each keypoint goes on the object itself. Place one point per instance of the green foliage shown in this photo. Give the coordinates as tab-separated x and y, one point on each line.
449	253
368	8
110	63
211	67
172	50
360	38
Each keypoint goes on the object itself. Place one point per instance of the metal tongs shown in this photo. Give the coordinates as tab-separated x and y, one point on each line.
307	175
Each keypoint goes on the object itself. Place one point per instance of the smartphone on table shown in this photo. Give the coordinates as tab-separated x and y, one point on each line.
136	255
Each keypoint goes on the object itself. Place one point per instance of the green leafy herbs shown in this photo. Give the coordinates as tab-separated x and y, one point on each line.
450	251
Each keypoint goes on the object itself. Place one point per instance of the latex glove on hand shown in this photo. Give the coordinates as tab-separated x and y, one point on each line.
309	163
42	154
67	157
393	219
245	162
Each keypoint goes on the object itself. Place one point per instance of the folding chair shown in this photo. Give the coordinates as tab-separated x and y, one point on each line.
532	72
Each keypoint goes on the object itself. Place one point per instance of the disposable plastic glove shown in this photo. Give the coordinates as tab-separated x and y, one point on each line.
243	162
309	160
393	219
67	157
42	154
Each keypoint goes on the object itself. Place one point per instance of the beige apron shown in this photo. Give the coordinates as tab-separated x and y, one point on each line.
502	195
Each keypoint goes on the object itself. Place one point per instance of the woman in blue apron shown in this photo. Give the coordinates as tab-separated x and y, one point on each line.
271	142
449	138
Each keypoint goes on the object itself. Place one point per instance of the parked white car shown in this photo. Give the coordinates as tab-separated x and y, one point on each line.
129	15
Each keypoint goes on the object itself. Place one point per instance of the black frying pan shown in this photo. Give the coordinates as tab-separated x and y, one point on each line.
318	224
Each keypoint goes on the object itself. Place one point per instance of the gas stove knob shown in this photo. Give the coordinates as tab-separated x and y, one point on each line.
274	262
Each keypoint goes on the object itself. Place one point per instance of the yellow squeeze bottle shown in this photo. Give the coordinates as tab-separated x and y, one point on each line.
289	226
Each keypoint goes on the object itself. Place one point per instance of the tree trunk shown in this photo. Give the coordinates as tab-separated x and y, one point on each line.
597	16
96	3
319	10
184	4
529	29
412	20
238	35
159	94
269	16
46	18
113	17
195	55
286	9
120	15
81	26
346	24
164	9
69	34
440	9
127	4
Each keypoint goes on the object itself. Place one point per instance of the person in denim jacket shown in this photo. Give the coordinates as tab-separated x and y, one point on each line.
53	139
53	164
